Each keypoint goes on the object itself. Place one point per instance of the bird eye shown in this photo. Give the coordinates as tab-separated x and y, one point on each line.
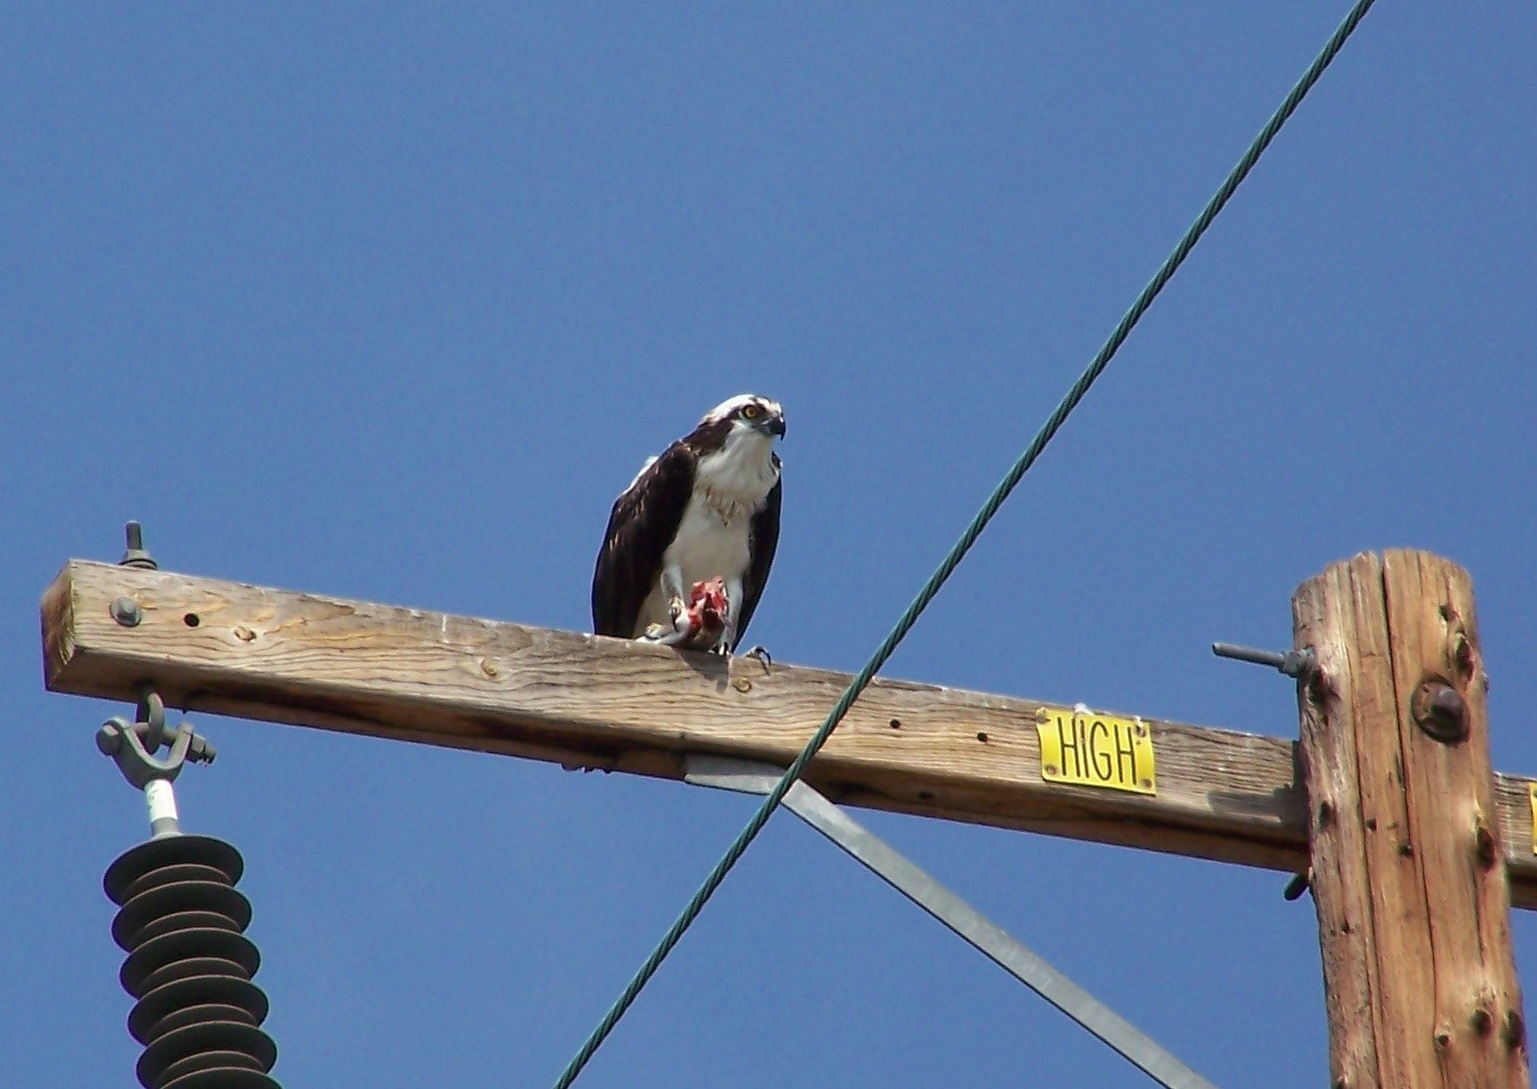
751	412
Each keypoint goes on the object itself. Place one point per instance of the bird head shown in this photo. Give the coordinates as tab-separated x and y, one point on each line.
749	412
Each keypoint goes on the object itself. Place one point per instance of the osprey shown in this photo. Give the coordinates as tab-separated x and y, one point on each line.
707	508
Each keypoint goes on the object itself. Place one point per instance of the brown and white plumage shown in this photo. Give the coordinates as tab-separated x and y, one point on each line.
707	507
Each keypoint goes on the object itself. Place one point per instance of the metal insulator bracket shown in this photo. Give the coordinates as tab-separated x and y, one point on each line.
132	745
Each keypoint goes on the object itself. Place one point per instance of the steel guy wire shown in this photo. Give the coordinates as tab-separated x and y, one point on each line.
968	538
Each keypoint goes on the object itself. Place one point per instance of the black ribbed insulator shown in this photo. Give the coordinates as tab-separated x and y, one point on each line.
190	965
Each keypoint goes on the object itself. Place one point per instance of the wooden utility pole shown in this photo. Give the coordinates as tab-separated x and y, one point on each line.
1413	904
1417	849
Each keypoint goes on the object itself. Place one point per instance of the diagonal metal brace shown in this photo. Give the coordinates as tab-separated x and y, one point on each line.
919	886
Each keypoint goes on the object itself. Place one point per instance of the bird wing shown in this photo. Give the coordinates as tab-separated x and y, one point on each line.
765	538
642	524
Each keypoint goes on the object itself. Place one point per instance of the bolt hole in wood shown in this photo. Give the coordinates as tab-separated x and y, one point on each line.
192	620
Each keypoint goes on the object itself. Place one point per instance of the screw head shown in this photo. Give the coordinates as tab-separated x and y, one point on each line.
125	610
1440	711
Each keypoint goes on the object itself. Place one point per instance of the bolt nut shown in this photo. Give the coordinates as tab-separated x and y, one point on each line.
1440	711
125	610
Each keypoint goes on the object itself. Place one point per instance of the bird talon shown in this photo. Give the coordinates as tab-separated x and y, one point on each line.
761	655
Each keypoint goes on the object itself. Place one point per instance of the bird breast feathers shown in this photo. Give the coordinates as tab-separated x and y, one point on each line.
734	482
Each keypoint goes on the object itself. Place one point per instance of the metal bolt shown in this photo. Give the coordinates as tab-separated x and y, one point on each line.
136	556
1294	663
1298	884
125	610
1440	711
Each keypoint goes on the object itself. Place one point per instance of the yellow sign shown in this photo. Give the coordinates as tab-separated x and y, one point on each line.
1532	790
1096	750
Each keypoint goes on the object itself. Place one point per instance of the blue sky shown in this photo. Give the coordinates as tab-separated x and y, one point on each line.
389	302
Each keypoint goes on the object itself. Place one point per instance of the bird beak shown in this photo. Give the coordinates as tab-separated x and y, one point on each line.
776	426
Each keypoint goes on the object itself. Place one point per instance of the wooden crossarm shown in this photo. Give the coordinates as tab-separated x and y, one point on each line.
588	701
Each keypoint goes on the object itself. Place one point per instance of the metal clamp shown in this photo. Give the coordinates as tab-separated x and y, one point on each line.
132	746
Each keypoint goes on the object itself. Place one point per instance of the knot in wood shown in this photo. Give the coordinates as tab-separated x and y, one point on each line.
1481	1021
1513	1034
1462	655
1484	847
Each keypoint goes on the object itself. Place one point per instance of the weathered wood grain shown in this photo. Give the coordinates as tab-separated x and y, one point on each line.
1412	899
1341	886
588	701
